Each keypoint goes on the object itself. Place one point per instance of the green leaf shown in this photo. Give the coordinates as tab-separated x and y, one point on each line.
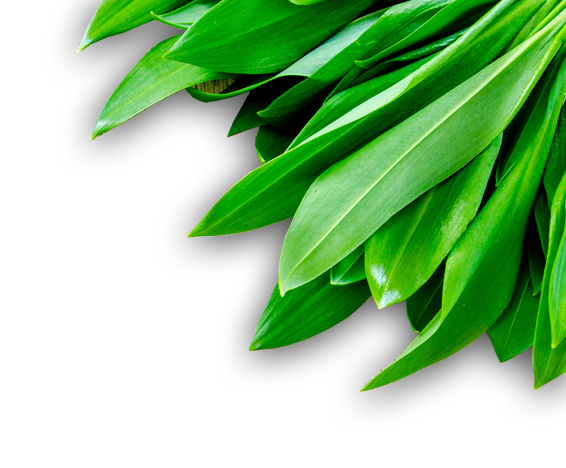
514	331
345	101
535	255
542	217
247	117
440	19
557	293
306	312
427	301
343	48
307	66
234	38
271	142
117	16
549	362
150	81
556	165
482	270
355	197
185	16
273	192
404	253
350	269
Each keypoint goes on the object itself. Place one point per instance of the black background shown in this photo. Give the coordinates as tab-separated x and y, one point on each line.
348	354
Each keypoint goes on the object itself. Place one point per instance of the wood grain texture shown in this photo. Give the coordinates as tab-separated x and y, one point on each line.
142	329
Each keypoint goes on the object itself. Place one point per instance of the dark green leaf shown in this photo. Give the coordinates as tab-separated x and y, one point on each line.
556	165
535	255
426	302
306	312
271	142
514	331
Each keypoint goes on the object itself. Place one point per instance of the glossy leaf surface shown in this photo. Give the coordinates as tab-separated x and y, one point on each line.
273	192
150	81
117	16
350	269
234	38
482	270
514	331
354	198
306	312
404	253
549	362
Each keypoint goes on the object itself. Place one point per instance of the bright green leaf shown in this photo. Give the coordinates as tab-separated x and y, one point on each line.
117	16
150	81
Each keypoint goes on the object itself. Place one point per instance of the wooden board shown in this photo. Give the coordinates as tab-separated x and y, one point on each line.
141	329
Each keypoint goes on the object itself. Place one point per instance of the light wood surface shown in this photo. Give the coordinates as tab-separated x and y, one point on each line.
142	329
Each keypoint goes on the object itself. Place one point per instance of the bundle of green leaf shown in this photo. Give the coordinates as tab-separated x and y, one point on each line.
420	148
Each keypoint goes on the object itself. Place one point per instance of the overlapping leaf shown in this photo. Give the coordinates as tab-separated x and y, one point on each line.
514	331
351	200
306	312
117	16
234	38
150	81
273	192
482	269
404	253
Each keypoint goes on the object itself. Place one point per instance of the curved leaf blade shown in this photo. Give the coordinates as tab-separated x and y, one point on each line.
404	253
306	312
357	196
150	81
117	16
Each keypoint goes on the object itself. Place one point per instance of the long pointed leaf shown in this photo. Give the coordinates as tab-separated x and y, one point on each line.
482	269
306	312
150	81
234	38
117	16
514	331
404	253
273	192
355	197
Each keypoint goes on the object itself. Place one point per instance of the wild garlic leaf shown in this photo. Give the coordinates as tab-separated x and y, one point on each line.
556	165
150	81
542	217
271	142
185	16
117	16
443	19
514	331
234	38
306	312
549	362
482	270
535	255
350	269
404	253
247	117
273	192
426	303
355	197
